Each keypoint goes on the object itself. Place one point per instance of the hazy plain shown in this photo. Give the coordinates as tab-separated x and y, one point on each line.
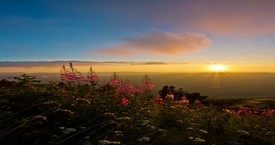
214	85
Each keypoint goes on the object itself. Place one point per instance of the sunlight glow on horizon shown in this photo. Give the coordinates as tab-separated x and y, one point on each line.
191	67
218	68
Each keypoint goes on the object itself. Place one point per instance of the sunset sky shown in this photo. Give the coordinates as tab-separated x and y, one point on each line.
137	35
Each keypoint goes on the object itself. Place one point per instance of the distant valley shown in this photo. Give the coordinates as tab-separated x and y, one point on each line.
214	85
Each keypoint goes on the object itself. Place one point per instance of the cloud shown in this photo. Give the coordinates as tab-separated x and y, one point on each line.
157	63
30	64
235	17
156	42
229	17
150	63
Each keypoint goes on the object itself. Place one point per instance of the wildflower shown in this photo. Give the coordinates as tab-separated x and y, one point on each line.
80	77
268	112
189	128
183	97
92	77
161	130
169	96
138	90
271	133
105	142
83	101
147	84
194	124
110	114
71	129
62	76
185	101
144	139
145	122
124	101
118	133
61	128
243	132
203	131
151	127
55	136
68	130
126	89
40	118
158	99
123	118
180	121
115	81
65	111
70	74
197	102
52	104
197	139
229	111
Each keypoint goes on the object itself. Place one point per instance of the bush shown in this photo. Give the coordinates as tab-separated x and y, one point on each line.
81	111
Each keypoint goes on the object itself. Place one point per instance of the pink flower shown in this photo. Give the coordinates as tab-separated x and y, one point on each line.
115	81
169	96
268	112
126	89
68	76
62	76
80	77
159	99
124	101
241	111
147	84
92	77
183	97
138	91
71	77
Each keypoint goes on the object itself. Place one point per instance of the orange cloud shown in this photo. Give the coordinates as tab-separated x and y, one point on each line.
115	50
156	42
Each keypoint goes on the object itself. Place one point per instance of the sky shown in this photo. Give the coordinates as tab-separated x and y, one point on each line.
137	35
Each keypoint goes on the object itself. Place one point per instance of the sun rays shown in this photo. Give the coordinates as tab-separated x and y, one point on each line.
218	68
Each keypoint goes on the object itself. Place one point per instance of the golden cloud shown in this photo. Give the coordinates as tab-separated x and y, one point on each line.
156	42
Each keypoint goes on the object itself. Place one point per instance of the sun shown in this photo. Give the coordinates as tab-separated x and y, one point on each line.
217	67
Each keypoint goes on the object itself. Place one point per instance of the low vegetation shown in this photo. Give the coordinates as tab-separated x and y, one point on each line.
81	109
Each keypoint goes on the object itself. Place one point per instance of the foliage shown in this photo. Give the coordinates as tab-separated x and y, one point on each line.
82	110
180	94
